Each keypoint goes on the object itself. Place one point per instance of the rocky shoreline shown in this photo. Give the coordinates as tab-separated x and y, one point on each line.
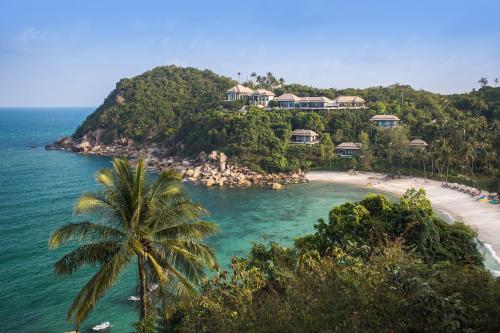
212	169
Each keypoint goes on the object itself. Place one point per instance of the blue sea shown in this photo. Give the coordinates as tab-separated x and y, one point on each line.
38	189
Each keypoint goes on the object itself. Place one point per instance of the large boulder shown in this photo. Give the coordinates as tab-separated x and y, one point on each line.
83	147
277	186
202	157
222	157
213	155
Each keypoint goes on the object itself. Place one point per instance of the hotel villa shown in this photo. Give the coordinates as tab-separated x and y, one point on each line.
262	97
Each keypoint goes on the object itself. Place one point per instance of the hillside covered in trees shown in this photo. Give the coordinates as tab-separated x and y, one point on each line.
374	266
184	109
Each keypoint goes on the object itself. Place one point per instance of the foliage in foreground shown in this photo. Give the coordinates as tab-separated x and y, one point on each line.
154	225
402	280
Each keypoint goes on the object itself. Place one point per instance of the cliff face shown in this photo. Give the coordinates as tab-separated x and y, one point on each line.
151	106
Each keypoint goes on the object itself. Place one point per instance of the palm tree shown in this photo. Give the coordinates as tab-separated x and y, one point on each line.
156	223
239	74
253	76
483	82
496	82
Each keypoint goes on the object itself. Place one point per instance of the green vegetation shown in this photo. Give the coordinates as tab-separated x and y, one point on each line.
376	266
151	106
184	108
154	225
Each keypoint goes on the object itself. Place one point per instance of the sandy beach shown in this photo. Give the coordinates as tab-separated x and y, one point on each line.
483	217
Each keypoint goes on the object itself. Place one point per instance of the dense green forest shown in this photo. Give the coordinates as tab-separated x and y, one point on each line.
374	266
184	108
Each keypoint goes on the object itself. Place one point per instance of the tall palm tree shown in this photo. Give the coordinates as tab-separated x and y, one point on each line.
154	222
253	76
483	82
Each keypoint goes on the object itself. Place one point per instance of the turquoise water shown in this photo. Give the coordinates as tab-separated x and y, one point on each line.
37	192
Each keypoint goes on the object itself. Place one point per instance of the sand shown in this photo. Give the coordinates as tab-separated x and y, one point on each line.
482	217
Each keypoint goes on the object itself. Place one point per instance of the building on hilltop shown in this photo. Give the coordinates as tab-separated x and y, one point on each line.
261	97
238	92
348	149
315	103
418	143
304	136
349	102
291	101
385	120
287	101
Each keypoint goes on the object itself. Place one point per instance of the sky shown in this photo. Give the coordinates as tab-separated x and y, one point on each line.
72	53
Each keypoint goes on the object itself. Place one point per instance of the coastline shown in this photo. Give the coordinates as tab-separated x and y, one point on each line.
482	217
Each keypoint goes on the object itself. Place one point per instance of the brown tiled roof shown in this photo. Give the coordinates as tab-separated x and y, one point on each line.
304	132
287	98
315	99
384	117
349	99
418	142
239	89
349	145
263	92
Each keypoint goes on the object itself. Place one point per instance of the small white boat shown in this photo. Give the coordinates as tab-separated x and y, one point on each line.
102	326
134	298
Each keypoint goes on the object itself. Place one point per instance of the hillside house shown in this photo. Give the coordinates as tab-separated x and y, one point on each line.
385	120
349	102
304	136
238	92
348	149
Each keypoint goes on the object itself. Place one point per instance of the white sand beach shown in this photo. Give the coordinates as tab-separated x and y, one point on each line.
483	217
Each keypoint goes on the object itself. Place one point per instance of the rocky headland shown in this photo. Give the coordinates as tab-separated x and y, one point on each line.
207	169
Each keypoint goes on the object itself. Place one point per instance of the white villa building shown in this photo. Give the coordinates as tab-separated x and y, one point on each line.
348	149
291	101
262	97
385	120
349	102
304	136
238	92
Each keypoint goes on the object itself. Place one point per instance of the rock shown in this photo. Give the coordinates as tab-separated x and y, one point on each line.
83	147
202	157
221	183
120	99
222	166
209	182
186	163
277	186
222	157
213	155
189	173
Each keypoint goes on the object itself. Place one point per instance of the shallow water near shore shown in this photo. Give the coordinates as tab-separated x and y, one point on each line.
38	189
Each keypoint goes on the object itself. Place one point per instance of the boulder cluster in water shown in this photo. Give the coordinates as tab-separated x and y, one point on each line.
213	169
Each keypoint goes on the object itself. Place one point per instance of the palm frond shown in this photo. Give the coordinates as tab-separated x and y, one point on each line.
168	268
98	285
91	254
91	202
105	177
83	231
197	230
165	180
160	216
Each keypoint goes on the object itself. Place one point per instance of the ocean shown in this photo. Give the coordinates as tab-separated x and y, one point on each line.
38	189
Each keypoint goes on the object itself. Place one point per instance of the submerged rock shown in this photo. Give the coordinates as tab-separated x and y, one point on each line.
277	186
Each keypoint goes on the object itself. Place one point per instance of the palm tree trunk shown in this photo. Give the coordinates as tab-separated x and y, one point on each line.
142	288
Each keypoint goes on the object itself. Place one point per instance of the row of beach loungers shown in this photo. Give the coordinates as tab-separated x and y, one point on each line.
477	194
